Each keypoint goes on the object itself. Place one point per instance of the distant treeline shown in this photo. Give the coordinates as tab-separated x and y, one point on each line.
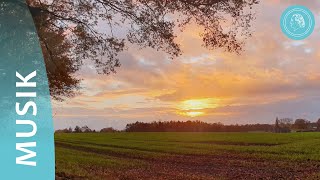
85	129
194	126
284	125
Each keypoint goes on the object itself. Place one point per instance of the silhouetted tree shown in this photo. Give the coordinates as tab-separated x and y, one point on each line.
86	129
63	131
283	125
77	129
301	124
69	31
277	127
107	130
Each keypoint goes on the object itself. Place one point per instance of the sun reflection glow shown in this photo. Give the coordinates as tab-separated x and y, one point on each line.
194	113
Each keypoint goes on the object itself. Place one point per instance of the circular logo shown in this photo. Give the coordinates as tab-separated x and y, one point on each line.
297	22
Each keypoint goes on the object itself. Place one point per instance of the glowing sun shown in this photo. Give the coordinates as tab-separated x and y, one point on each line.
196	107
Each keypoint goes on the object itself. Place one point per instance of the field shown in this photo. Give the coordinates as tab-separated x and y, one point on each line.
188	156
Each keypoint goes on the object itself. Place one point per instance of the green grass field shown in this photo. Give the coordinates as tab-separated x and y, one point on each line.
188	156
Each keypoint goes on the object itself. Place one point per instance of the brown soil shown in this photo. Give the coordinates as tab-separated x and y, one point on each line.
193	167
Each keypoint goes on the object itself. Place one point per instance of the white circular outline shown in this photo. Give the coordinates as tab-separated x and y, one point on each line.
284	20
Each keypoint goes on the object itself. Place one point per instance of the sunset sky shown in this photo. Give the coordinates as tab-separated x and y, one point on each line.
274	77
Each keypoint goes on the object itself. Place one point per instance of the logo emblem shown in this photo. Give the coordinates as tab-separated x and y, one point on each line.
297	22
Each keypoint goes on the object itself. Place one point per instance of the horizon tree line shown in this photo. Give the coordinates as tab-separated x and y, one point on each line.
284	125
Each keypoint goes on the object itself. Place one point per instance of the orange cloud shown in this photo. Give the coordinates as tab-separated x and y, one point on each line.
274	76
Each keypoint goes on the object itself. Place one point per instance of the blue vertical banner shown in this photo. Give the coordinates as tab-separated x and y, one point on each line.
26	127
